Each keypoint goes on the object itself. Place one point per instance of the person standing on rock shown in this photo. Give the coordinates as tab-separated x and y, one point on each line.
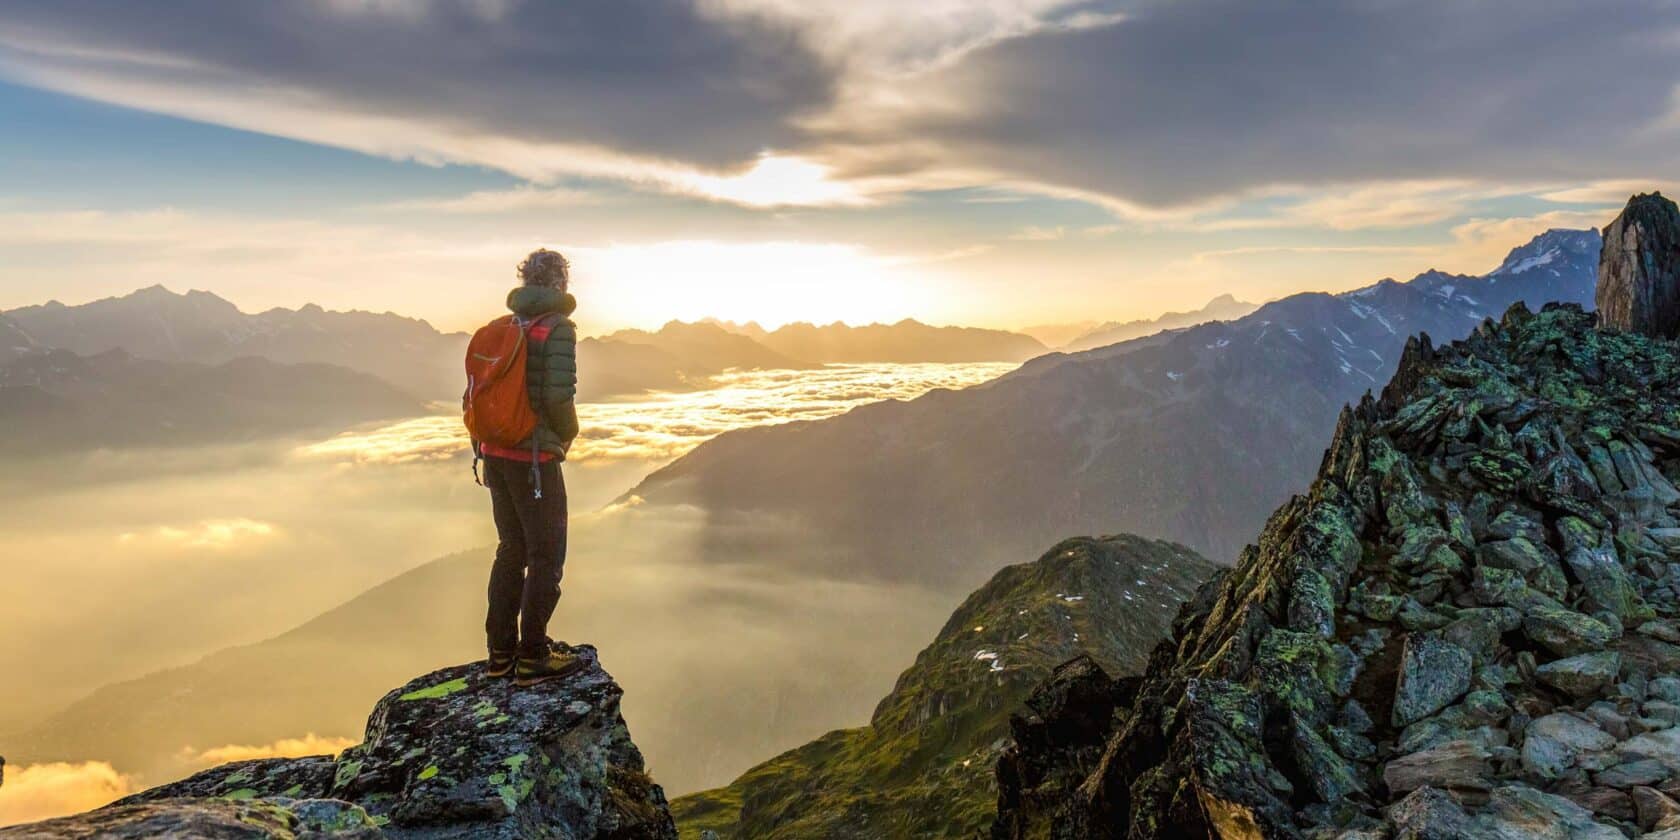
521	411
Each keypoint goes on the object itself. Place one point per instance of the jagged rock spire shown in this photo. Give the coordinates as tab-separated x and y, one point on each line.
1639	269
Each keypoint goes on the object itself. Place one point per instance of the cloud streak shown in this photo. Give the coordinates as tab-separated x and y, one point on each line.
208	534
310	744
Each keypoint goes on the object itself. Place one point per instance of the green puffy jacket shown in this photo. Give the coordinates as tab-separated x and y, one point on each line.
551	366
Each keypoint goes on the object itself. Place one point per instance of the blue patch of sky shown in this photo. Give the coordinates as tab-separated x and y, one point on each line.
61	152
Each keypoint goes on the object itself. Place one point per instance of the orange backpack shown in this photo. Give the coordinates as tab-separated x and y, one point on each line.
497	402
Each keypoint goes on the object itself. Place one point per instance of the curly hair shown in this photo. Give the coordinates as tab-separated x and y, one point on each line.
545	268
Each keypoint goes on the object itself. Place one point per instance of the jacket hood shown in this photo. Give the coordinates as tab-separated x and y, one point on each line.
535	301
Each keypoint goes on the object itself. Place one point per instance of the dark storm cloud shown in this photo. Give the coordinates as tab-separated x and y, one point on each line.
646	77
1176	103
1185	100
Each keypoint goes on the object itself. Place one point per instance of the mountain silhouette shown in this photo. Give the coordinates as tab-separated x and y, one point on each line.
1222	308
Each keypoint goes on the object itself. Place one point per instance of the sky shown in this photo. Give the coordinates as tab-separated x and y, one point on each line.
988	162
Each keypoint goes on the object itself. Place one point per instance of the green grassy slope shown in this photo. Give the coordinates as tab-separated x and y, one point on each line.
923	766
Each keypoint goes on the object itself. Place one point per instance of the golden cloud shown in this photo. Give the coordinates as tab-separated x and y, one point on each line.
310	744
213	534
43	791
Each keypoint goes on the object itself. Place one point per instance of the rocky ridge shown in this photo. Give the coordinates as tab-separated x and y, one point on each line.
922	767
1468	627
452	754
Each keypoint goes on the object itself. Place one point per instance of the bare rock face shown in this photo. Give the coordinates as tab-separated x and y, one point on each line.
453	754
1639	269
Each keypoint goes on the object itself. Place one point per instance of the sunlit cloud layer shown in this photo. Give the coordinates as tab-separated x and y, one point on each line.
208	534
310	744
664	425
41	791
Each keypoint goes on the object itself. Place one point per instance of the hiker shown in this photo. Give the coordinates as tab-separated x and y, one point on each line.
521	411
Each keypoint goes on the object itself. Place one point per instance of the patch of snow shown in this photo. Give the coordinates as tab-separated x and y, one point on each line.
1365	312
1223	342
1174	375
1530	262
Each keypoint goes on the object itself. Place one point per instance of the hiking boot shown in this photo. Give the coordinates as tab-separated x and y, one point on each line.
500	663
552	664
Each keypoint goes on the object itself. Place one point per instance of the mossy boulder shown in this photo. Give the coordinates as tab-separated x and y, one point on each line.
456	754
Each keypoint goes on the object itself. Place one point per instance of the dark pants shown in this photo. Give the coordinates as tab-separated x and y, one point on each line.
525	580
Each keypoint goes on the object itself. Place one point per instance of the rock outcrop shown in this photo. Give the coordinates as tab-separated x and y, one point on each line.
1639	268
1469	626
451	754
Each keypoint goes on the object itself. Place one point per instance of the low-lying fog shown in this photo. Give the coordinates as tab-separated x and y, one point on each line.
118	564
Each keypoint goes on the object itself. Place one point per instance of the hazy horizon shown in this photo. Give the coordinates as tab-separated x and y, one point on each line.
467	323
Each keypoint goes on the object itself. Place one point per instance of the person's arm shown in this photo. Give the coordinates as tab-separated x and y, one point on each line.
568	425
560	383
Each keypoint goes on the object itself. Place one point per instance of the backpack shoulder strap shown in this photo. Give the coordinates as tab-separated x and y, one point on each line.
541	327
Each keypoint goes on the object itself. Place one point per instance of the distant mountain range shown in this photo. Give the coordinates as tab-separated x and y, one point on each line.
1194	435
677	356
1056	335
907	341
199	327
1222	308
923	766
58	401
